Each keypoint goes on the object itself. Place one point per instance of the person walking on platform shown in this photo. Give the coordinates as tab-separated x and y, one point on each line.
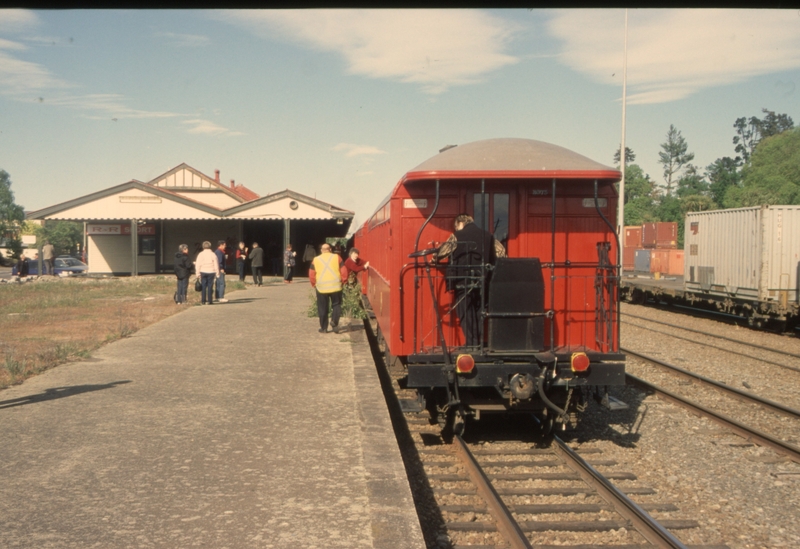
288	264
183	270
327	274
241	257
219	289
256	263
207	269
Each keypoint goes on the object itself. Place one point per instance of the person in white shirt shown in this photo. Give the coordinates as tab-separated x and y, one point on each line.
206	267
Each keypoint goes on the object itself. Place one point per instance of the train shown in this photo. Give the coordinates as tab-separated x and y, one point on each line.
549	311
743	262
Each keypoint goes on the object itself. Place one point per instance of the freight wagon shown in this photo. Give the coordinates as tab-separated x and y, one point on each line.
743	261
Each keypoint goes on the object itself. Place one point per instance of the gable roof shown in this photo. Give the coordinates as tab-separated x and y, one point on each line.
97	205
315	209
185	178
170	196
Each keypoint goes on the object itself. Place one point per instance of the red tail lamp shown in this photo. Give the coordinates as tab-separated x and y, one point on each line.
579	362
465	364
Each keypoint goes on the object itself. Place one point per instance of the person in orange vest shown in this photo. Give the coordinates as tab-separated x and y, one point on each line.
327	274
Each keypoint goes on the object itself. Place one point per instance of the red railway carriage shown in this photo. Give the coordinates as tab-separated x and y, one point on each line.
550	329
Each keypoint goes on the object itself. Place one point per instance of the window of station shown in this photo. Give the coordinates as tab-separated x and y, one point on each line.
147	245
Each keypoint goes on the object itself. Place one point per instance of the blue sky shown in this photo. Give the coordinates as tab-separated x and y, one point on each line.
339	104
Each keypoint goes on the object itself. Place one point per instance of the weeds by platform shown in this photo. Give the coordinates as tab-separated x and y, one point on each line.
47	323
351	303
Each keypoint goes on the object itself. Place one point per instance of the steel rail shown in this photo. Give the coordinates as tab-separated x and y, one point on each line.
724	349
754	345
506	524
744	396
648	527
762	439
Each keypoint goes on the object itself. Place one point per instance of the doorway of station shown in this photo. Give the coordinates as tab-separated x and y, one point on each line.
269	235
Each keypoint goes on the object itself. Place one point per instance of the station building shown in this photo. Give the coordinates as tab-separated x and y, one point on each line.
136	227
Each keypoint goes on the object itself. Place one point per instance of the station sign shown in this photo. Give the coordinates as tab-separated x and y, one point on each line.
109	229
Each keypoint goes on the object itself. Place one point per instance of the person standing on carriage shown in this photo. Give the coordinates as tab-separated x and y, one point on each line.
469	247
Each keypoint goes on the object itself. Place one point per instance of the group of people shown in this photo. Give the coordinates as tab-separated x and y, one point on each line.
468	248
209	268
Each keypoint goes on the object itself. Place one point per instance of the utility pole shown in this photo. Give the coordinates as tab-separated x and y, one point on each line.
621	201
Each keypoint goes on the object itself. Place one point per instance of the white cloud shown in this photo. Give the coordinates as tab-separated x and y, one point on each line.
15	20
101	106
433	48
184	40
675	53
9	45
19	77
357	150
206	127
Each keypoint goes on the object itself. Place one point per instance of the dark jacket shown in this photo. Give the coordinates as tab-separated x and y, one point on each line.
474	247
184	267
220	258
257	257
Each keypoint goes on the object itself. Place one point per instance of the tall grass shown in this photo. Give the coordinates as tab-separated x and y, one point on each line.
351	303
50	322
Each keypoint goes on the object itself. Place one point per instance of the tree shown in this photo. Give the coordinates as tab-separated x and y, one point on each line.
773	124
722	174
746	138
673	157
696	203
637	183
11	217
773	176
63	235
751	132
640	210
692	183
630	156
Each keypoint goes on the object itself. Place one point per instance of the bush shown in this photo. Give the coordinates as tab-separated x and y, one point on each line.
351	303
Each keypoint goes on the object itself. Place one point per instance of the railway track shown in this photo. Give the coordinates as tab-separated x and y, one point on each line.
758	436
766	422
515	497
760	358
521	495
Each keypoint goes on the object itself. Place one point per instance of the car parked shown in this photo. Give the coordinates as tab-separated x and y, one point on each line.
67	265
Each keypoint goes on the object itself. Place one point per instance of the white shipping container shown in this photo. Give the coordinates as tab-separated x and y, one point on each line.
745	252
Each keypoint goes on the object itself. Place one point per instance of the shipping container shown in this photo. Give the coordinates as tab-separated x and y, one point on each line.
633	237
667	262
642	261
749	253
628	259
662	235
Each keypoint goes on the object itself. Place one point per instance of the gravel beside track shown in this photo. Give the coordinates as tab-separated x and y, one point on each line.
743	496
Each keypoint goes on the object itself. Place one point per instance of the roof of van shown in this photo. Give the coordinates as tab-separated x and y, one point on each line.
511	157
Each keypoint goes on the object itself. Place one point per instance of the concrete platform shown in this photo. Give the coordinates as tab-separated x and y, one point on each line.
235	425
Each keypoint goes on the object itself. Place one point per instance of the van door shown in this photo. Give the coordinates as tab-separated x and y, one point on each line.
492	211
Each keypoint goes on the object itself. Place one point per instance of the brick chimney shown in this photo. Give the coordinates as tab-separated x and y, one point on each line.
233	185
216	176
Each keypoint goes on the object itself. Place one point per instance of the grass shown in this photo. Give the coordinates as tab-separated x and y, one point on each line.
50	322
351	303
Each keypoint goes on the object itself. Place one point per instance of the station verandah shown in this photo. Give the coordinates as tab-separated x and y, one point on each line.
136	228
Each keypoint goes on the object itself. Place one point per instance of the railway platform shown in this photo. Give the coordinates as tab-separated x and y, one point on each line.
235	425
